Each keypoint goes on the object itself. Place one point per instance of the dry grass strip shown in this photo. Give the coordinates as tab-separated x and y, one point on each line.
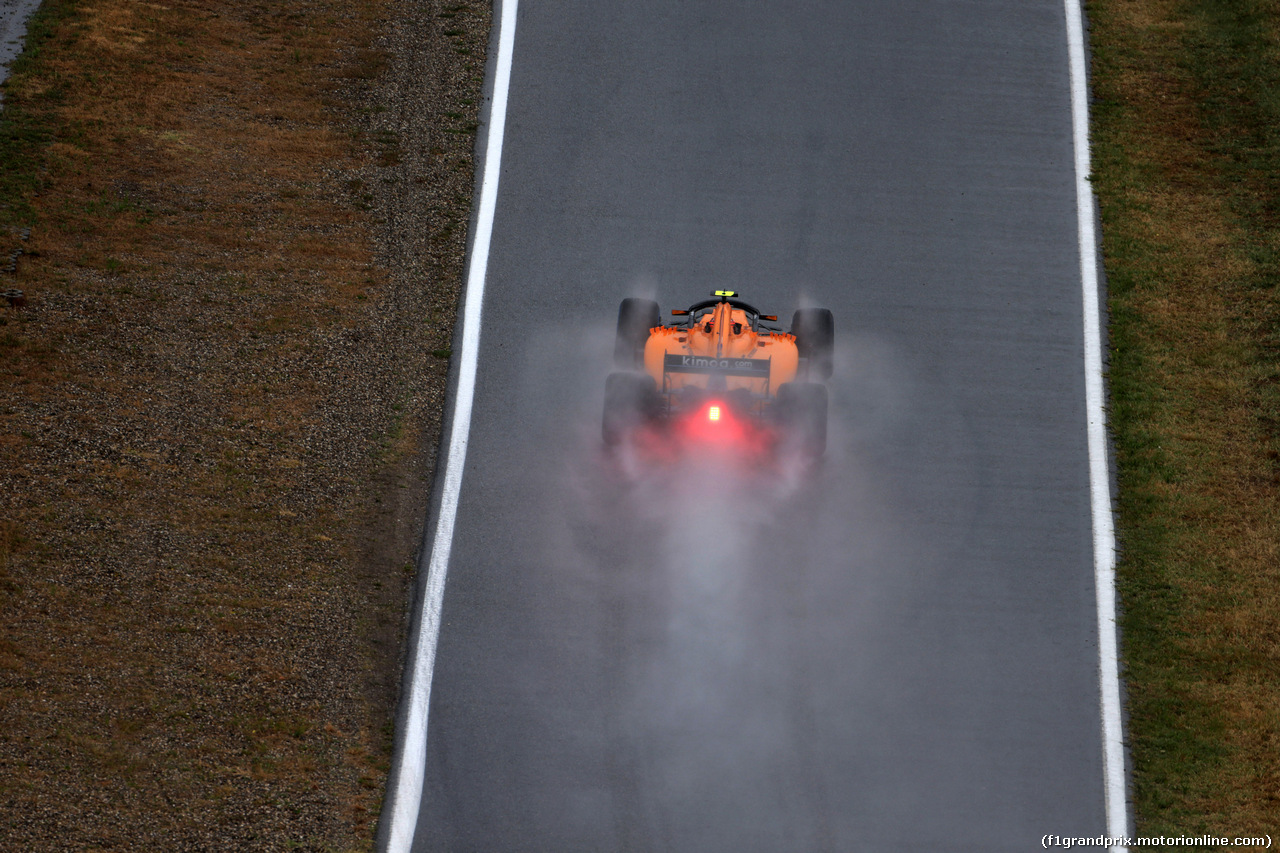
247	226
1180	167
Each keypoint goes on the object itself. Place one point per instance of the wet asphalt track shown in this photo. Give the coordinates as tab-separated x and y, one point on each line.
897	653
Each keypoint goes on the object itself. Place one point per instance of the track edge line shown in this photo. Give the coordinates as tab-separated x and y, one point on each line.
407	776
1104	539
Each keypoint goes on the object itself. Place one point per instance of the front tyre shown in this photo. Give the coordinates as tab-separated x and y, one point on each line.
815	331
631	401
635	318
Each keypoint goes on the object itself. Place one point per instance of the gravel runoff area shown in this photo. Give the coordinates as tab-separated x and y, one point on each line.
213	476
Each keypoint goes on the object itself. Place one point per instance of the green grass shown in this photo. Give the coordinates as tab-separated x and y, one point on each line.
28	123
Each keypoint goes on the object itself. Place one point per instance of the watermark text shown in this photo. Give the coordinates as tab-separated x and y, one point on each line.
1261	842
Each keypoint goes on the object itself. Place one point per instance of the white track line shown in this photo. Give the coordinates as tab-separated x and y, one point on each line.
405	790
1104	540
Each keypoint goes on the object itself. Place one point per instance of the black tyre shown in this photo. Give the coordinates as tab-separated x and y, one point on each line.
815	331
635	318
802	416
631	401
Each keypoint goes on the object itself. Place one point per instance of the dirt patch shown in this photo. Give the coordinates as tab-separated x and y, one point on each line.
218	408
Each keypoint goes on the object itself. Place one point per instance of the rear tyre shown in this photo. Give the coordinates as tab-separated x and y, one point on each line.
802	415
815	331
635	318
631	401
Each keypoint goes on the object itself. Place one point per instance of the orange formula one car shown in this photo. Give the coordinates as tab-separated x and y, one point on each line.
720	375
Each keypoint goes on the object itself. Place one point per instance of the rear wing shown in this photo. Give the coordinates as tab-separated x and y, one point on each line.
752	368
716	368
